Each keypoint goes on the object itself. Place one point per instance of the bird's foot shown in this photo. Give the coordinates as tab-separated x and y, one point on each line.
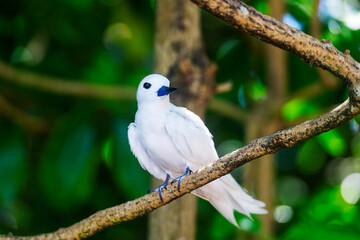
187	172
158	189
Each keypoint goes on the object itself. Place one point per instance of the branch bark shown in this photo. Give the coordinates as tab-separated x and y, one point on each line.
312	51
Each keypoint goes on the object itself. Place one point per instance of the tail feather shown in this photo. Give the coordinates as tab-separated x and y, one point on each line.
226	195
237	192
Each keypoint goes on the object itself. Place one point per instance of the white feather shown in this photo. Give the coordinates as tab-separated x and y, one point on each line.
167	139
141	154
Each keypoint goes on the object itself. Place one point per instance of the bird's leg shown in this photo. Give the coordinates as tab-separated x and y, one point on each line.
187	172
158	189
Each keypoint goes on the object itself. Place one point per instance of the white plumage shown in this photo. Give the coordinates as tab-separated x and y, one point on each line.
167	139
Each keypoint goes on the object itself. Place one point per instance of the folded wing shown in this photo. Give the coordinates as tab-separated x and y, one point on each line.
191	137
140	153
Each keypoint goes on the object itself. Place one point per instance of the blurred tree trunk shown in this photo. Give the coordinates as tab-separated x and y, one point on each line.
180	56
266	119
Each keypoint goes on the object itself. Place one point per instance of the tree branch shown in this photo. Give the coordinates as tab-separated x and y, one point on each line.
312	51
266	145
64	86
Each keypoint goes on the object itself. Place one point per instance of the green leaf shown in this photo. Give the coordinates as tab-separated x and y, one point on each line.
303	8
126	170
226	48
68	167
80	5
108	152
311	157
103	70
297	187
313	231
262	6
13	164
221	228
129	35
257	90
298	108
325	216
355	146
332	142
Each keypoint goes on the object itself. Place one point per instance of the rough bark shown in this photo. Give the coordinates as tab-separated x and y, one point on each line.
180	56
312	51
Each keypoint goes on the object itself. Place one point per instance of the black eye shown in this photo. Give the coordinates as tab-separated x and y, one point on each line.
147	85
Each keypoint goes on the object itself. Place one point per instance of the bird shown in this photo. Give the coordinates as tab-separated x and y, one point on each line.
171	142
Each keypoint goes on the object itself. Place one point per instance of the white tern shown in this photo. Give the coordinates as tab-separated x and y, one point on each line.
169	140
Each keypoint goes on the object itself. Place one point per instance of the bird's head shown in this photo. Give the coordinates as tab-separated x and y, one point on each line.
154	88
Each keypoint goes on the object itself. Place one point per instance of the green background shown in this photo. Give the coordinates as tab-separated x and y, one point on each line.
84	164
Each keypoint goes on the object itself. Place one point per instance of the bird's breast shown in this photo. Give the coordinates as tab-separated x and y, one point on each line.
160	146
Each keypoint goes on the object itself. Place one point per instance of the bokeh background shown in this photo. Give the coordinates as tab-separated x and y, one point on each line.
65	156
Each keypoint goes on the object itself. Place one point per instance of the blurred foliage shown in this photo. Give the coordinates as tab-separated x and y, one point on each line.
84	164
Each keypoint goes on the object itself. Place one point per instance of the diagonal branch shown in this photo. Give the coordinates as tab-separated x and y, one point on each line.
312	51
266	145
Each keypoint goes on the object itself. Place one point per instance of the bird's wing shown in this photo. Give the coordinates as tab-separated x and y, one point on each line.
140	153
190	136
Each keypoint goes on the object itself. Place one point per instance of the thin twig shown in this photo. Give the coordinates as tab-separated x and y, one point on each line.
224	87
